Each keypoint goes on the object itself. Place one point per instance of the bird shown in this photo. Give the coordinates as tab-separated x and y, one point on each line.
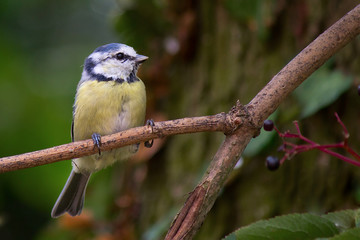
109	98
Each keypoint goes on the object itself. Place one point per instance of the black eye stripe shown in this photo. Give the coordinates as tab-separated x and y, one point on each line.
123	57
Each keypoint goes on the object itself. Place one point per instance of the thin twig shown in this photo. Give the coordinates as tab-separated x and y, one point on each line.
296	148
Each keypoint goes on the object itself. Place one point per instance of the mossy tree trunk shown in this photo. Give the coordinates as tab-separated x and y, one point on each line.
229	50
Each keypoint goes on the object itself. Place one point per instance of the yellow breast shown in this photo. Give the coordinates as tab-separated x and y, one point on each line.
107	107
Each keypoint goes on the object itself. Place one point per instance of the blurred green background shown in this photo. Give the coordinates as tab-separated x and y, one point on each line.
204	55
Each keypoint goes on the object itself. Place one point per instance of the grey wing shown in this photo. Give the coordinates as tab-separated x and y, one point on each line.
72	130
72	123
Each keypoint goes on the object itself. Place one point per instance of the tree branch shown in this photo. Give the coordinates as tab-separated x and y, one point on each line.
200	201
220	122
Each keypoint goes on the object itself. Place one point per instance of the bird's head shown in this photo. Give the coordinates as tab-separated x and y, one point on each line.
113	61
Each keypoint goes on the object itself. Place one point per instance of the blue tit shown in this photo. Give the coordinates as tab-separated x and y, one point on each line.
109	98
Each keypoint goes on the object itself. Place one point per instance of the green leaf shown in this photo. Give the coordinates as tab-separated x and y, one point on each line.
321	89
294	226
351	234
342	219
337	225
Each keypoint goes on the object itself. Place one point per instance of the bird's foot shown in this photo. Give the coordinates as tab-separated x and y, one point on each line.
97	141
151	124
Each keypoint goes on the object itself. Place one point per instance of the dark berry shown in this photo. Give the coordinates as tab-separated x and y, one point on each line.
268	125
359	89
272	163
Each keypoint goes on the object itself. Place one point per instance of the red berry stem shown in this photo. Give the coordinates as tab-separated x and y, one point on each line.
292	149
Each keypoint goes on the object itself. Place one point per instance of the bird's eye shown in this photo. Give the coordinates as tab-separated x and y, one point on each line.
120	56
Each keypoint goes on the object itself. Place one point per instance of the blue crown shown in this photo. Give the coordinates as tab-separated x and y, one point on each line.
108	47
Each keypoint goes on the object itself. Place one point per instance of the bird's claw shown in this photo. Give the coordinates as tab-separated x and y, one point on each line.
150	123
97	141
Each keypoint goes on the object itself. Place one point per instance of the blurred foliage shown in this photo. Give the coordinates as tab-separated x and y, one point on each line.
258	14
139	17
204	55
321	89
43	45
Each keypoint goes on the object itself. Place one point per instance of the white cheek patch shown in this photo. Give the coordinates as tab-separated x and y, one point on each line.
113	68
100	68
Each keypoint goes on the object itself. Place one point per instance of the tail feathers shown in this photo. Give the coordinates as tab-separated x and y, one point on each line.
72	197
